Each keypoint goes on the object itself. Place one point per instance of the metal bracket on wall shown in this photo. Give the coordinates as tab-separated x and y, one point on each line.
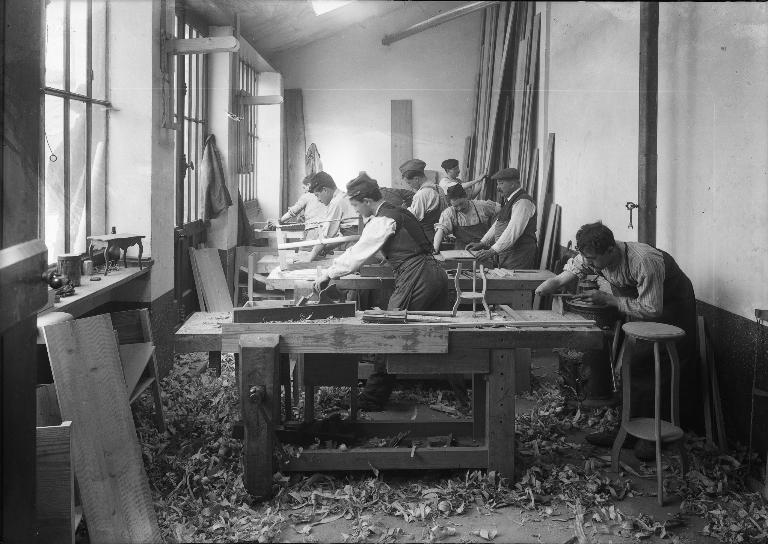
630	206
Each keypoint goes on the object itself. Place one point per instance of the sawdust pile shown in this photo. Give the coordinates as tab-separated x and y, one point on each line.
195	475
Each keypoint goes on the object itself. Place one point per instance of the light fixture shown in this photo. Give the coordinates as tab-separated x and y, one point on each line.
324	6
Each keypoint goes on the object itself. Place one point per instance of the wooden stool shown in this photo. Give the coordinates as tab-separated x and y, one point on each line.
472	295
654	429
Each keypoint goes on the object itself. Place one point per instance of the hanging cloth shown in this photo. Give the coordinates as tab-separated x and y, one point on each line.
312	162
216	196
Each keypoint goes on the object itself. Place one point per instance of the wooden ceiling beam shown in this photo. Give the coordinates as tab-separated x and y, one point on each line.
449	15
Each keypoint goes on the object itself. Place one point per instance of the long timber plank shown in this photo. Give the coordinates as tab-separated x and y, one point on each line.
527	337
389	459
107	457
342	337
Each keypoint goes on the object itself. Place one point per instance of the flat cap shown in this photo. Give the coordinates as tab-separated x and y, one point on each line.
447	164
413	165
507	173
320	180
456	191
363	184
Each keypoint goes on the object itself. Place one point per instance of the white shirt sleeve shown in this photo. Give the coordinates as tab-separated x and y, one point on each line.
301	203
522	211
423	201
446	223
375	233
488	237
333	217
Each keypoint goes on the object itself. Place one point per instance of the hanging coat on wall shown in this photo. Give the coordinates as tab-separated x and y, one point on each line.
312	162
216	196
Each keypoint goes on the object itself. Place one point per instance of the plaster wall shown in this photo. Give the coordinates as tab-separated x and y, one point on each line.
349	79
713	156
268	148
593	111
712	129
140	153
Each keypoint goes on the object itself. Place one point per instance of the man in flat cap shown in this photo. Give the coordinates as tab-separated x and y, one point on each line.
340	217
451	178
420	282
429	200
467	220
512	237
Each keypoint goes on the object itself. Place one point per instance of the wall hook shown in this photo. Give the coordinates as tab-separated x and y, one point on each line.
630	206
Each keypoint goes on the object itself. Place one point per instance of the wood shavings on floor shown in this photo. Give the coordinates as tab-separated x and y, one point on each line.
195	475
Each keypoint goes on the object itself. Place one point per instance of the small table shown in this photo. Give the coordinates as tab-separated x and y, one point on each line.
121	241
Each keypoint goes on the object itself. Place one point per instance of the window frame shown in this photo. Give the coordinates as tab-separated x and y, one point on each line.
188	158
68	96
247	136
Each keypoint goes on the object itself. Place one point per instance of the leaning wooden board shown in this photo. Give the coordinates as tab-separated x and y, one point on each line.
107	458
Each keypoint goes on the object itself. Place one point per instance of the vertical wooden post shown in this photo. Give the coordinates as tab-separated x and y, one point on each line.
402	137
649	106
259	392
500	419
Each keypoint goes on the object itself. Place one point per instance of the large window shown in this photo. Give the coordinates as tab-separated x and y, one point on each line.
246	134
191	82
75	116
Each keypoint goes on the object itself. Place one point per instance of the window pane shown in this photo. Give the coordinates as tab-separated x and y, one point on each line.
99	170
77	181
54	177
99	48
78	47
54	44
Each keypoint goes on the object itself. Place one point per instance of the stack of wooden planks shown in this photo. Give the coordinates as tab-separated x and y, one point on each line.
507	88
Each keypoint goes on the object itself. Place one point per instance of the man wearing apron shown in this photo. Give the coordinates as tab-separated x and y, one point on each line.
429	200
646	284
420	282
512	237
468	220
340	217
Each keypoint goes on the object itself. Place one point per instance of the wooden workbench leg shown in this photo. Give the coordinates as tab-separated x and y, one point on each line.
259	394
214	361
522	370
309	402
479	398
500	424
285	381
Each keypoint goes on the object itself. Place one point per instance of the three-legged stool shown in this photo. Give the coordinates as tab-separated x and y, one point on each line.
654	429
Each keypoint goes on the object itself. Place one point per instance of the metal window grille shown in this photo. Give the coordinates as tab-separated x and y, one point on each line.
246	134
75	115
191	82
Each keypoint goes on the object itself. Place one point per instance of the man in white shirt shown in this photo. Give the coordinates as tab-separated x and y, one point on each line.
429	200
420	282
512	237
312	209
340	217
467	220
451	178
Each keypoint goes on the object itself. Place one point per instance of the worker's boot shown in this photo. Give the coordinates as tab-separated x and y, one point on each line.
376	392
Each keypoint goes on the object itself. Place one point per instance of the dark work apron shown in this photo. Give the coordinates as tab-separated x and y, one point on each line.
433	216
679	309
467	234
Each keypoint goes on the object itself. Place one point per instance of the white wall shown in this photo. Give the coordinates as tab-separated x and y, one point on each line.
140	153
268	148
712	135
349	79
593	111
713	149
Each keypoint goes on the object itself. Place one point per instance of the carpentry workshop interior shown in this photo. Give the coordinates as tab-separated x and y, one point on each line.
384	271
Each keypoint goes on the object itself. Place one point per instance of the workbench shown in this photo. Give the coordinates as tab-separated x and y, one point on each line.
463	345
512	287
